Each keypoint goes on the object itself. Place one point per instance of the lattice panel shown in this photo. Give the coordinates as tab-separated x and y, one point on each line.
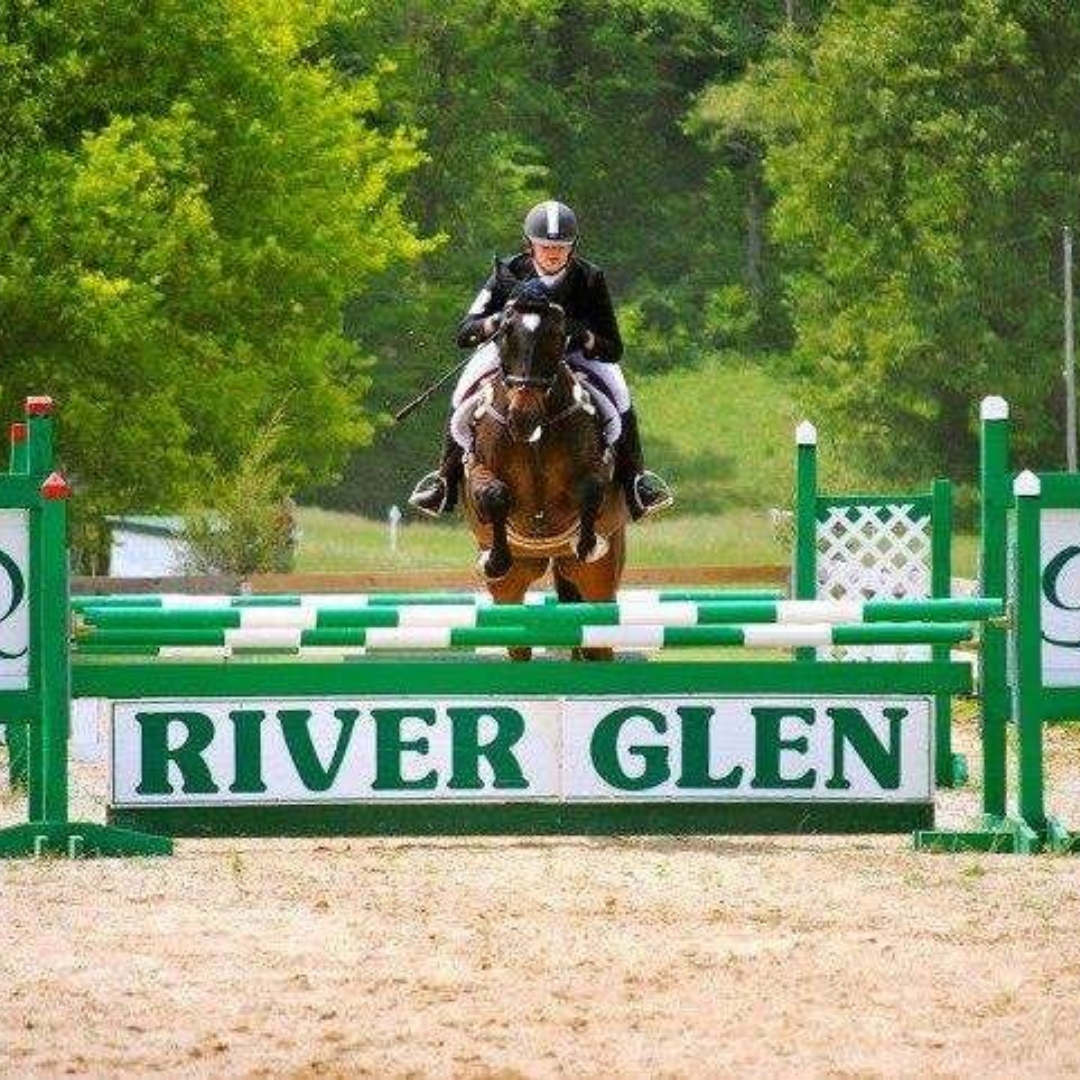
874	552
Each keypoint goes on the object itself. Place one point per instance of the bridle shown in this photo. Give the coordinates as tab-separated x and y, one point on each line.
579	398
527	379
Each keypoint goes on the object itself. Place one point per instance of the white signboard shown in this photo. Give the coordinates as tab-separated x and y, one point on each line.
14	600
1060	602
468	749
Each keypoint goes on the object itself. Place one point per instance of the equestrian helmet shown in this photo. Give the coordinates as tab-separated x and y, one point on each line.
551	222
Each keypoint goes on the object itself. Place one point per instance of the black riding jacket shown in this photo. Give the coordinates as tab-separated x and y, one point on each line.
581	291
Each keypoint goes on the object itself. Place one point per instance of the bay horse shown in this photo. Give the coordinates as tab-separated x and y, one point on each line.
538	487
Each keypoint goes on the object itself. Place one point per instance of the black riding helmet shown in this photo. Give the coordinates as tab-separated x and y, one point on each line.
551	222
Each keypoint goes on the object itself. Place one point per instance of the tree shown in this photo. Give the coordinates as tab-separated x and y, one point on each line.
518	100
922	157
186	203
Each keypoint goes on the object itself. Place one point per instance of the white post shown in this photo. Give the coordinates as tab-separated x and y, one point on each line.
393	518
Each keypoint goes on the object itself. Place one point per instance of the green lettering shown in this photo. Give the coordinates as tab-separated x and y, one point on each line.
605	757
296	727
389	746
695	751
883	760
187	756
769	746
468	750
247	751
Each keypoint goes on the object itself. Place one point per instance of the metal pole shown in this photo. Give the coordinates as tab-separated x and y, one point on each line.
1070	355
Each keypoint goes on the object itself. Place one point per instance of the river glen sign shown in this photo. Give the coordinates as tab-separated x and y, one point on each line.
505	749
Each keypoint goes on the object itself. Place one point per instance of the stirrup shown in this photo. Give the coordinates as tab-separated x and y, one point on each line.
430	495
650	495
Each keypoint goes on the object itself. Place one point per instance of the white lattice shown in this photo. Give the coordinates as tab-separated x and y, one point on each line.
868	552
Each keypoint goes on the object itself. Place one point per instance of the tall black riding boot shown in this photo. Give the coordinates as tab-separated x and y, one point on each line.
646	493
437	492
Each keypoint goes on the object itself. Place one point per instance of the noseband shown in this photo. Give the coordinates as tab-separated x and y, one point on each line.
528	379
579	399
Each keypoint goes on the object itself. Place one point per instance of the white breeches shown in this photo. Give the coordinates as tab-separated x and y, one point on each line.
482	362
608	377
486	359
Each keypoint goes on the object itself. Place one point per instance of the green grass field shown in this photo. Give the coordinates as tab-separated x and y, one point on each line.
723	435
336	542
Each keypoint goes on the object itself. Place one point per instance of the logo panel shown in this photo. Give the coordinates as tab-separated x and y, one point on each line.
14	602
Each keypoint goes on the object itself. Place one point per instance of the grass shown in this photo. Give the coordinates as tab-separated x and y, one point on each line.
340	542
333	541
722	433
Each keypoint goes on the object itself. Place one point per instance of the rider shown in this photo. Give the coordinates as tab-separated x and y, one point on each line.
593	347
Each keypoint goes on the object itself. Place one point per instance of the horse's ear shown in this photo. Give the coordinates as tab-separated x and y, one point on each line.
558	309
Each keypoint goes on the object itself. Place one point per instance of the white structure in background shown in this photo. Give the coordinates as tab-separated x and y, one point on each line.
393	520
146	545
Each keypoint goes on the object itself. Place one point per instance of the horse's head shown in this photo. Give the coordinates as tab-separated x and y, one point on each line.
532	342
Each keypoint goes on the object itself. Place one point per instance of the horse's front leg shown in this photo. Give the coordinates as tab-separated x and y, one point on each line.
591	488
512	589
492	498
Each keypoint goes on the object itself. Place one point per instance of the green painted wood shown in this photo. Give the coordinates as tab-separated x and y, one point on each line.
995	502
1031	772
521	819
1033	830
49	830
39	462
804	575
79	840
558	677
950	768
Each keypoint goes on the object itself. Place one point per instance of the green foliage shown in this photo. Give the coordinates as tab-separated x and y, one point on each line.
210	207
186	203
244	522
517	101
922	157
720	432
730	316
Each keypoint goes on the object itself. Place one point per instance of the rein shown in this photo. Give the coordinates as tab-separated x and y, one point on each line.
581	403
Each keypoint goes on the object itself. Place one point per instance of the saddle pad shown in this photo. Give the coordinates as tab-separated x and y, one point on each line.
462	421
610	419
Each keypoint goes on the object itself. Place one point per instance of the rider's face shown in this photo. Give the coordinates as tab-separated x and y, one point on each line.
550	258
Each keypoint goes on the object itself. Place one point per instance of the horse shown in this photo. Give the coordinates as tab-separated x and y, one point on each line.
539	488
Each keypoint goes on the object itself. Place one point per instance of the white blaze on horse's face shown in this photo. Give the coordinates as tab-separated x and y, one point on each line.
530	321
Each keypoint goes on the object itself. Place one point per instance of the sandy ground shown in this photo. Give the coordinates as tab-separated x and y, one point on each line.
586	958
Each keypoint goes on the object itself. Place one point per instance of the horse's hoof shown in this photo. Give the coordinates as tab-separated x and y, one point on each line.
491	572
600	547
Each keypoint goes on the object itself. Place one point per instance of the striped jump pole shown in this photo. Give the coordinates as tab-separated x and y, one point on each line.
183	601
151	620
764	636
